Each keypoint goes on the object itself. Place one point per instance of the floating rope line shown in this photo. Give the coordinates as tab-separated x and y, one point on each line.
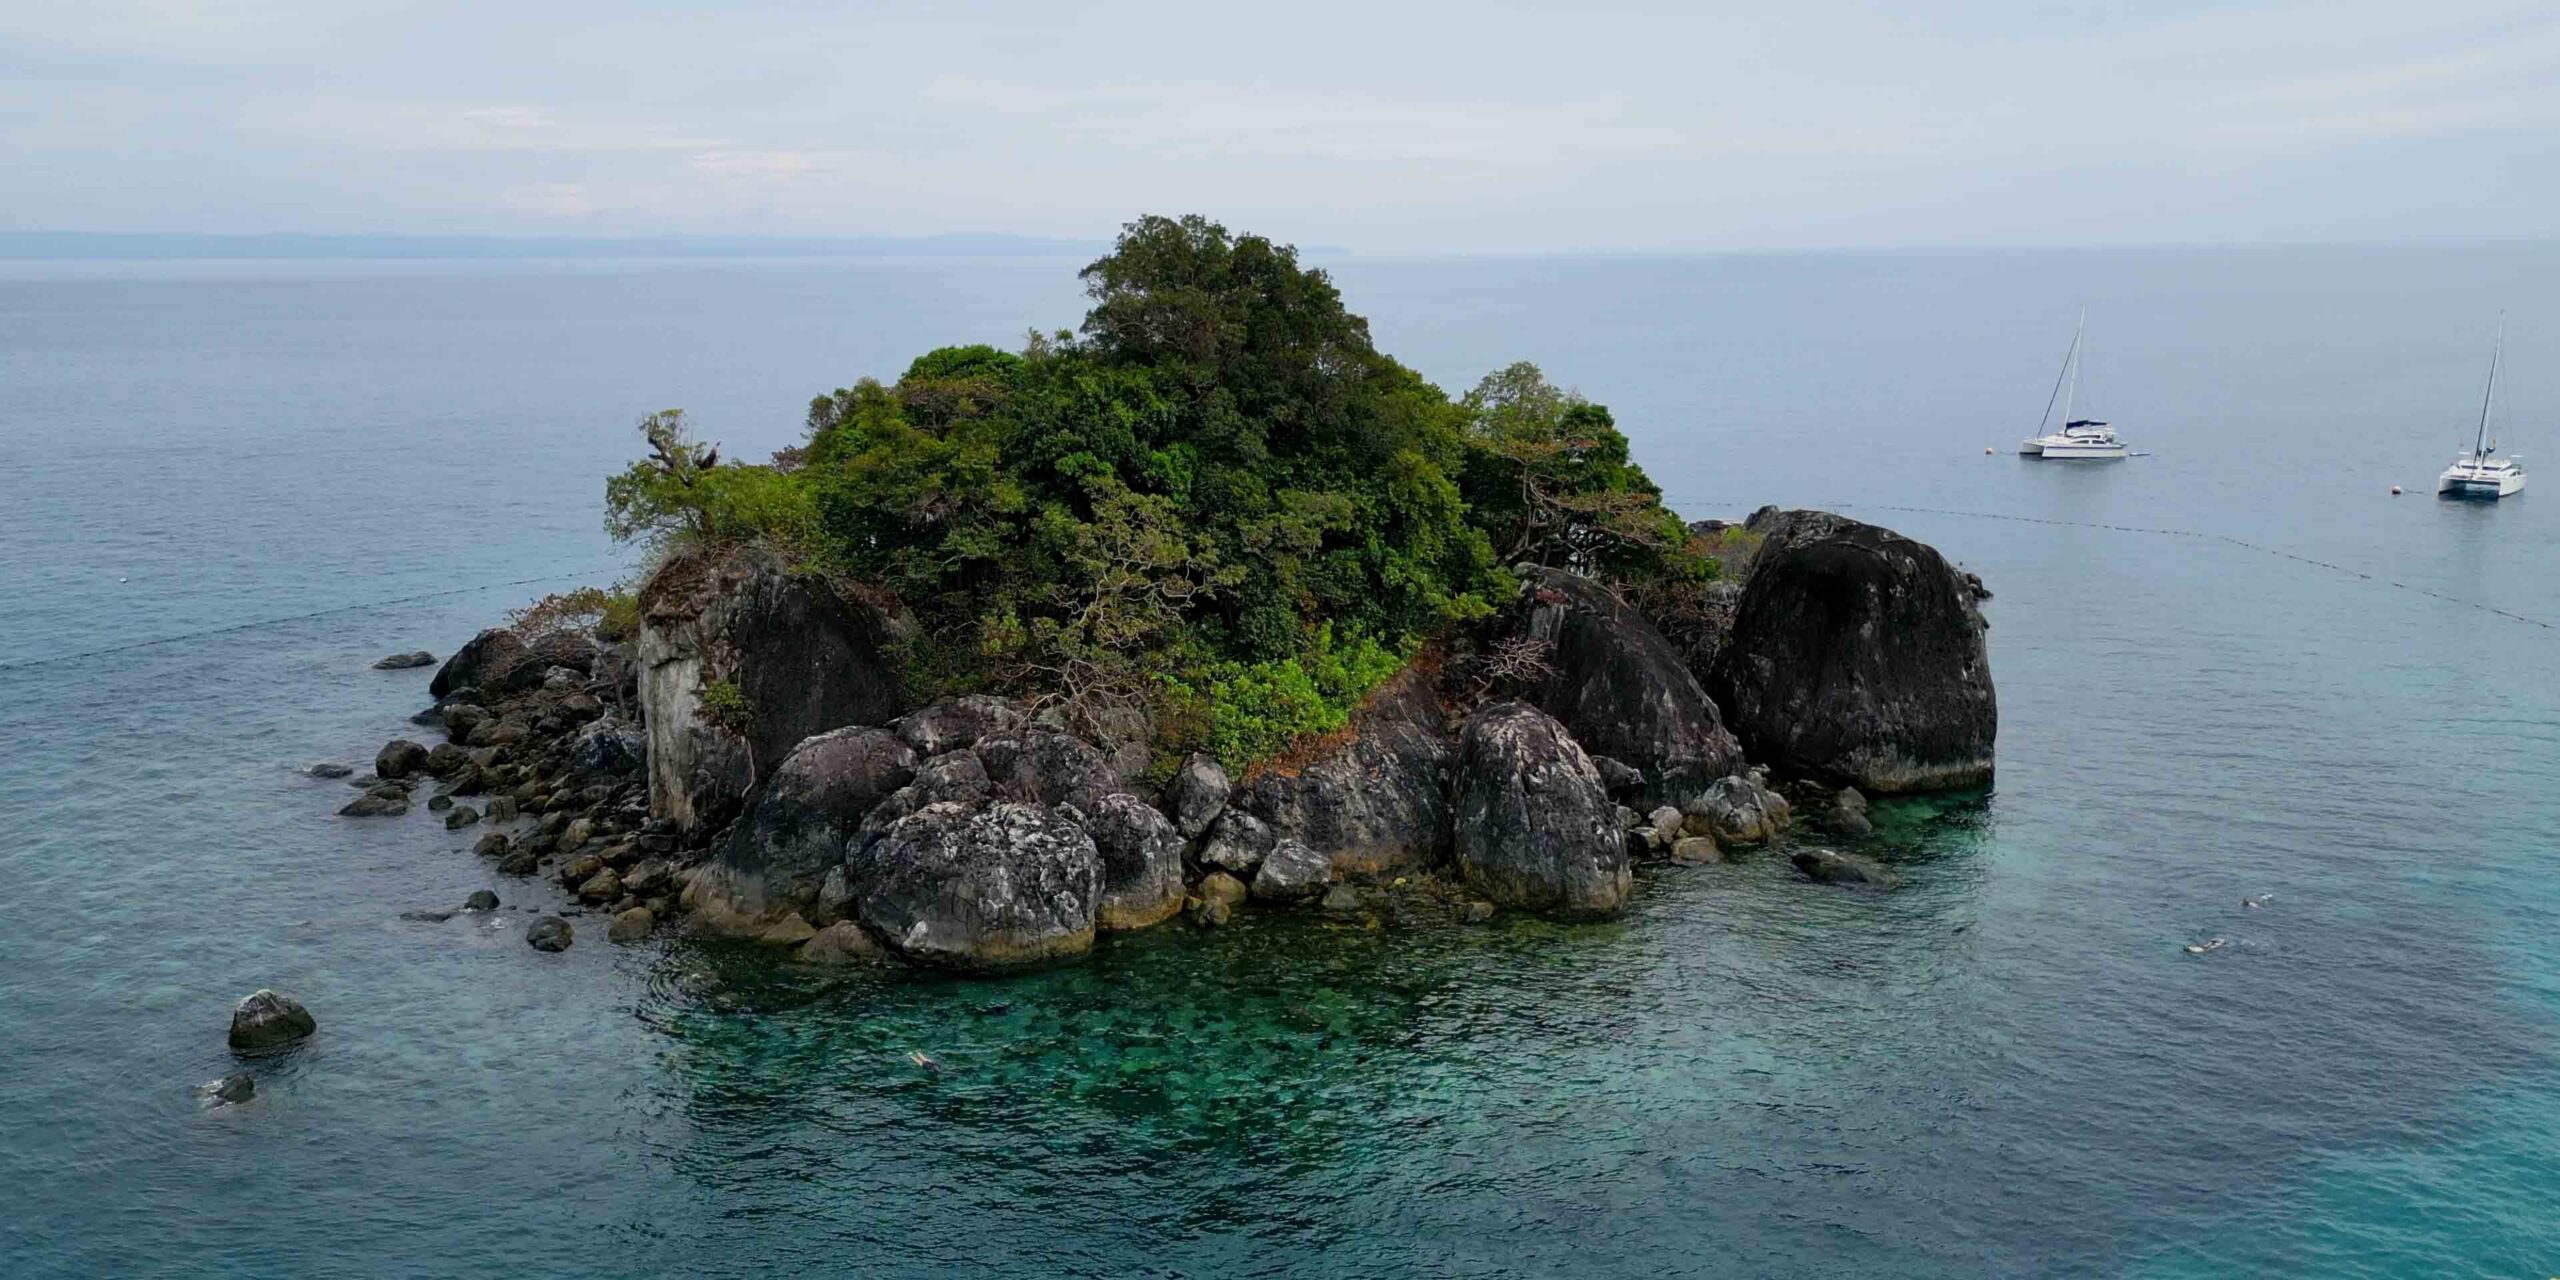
2198	536
295	617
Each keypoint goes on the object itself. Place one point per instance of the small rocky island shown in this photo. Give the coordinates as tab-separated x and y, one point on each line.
1211	609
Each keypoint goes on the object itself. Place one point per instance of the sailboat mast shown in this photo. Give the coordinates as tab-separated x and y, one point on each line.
2496	353
2070	360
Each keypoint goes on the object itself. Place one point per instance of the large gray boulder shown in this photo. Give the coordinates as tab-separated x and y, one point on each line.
952	777
1197	795
399	758
1857	659
1141	862
1375	801
1040	766
805	659
1237	843
958	724
609	746
1535	828
265	1020
990	887
811	806
1292	873
1618	687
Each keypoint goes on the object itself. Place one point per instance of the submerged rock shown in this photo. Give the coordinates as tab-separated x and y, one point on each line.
381	802
480	900
1834	867
331	771
404	661
230	1091
1535	828
1218	886
1695	850
264	1020
549	933
1847	814
1857	658
789	931
990	887
631	926
840	943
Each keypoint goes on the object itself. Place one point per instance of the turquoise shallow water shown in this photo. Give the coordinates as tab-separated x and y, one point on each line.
2010	1068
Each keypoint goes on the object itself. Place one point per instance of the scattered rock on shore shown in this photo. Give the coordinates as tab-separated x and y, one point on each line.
399	758
1736	811
381	802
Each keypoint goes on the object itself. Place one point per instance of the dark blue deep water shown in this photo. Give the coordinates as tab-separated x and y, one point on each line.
2009	1068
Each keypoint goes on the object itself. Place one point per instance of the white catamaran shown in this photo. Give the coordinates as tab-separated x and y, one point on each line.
2476	474
2080	438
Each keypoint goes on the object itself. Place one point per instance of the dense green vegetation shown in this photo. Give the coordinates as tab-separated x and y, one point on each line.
1217	503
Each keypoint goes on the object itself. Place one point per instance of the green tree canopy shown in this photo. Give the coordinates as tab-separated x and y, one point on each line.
1216	500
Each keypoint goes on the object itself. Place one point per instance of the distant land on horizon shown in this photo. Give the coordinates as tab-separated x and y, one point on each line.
131	245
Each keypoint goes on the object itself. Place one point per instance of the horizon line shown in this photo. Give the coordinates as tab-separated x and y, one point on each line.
61	245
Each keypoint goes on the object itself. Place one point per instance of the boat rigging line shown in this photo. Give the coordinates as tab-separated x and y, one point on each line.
257	624
2196	535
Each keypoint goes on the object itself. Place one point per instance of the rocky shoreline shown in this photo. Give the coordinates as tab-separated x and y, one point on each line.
743	766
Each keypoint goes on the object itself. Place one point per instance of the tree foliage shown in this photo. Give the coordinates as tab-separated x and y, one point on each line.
1217	498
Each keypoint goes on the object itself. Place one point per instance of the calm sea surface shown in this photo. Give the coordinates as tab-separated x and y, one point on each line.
2009	1068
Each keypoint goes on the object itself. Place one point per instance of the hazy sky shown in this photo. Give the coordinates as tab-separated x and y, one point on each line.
1377	126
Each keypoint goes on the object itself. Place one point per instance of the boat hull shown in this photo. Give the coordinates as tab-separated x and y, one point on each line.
2482	489
2081	452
